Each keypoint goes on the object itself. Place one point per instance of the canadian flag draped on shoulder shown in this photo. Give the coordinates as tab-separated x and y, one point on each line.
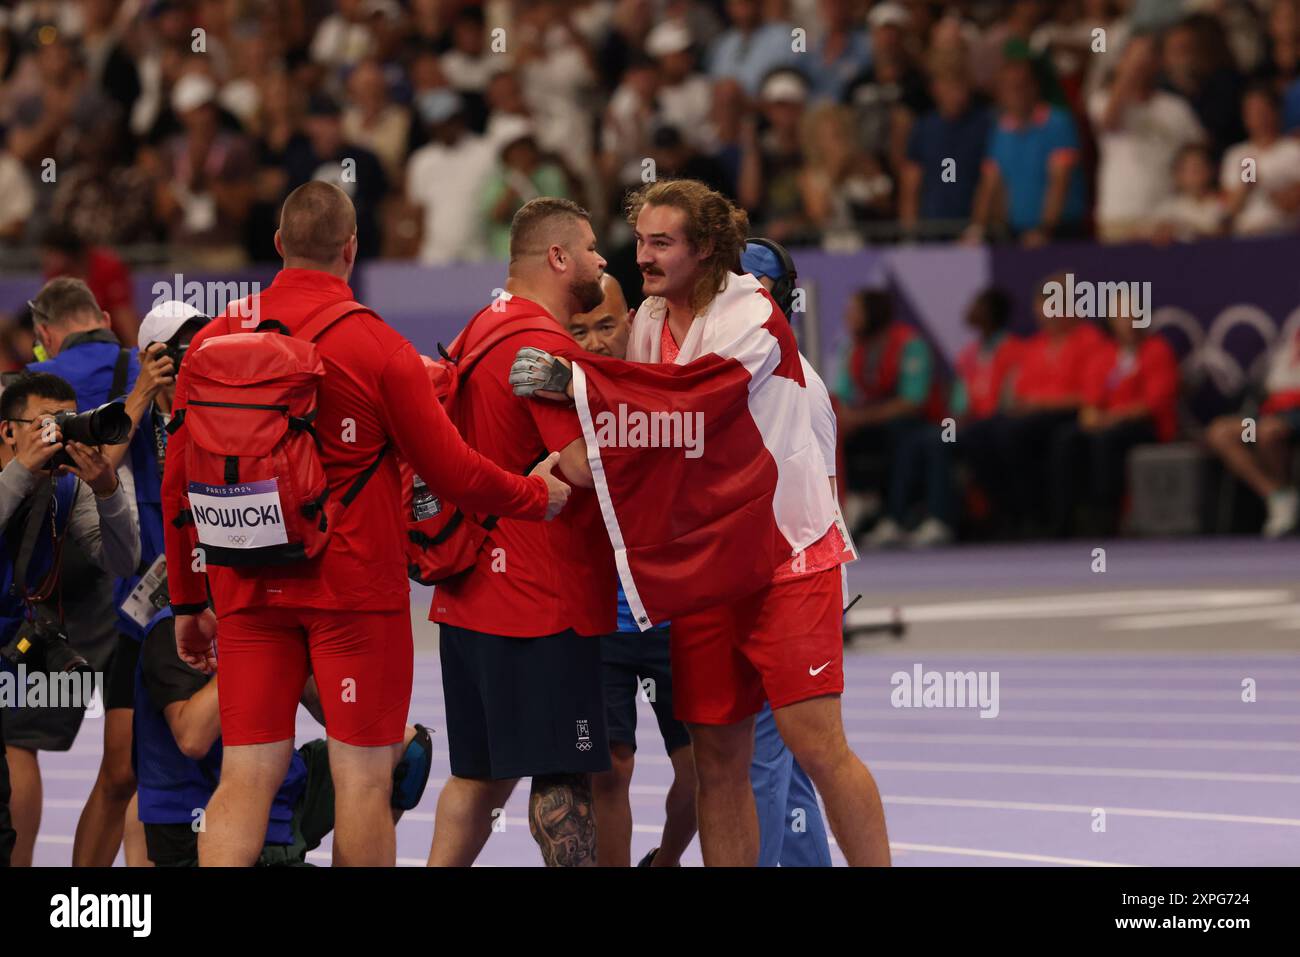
707	470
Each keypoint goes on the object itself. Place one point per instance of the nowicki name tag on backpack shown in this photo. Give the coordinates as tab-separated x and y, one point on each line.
247	515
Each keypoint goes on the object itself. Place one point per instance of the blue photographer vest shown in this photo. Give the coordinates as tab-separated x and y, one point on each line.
13	609
171	786
87	362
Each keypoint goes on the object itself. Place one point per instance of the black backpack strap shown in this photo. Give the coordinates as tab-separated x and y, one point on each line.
118	388
38	515
359	482
490	522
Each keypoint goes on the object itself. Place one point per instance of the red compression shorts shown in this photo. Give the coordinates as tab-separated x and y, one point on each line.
784	644
362	661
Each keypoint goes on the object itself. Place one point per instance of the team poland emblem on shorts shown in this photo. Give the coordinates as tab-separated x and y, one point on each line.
584	735
244	516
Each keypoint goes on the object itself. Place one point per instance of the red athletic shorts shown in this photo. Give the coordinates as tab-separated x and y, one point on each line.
362	661
784	643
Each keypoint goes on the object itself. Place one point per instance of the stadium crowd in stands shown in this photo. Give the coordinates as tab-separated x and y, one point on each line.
177	127
186	122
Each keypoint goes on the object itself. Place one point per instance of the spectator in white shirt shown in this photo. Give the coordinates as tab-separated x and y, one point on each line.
1140	130
446	179
17	198
557	70
1261	177
685	97
468	65
373	120
1195	211
343	38
629	121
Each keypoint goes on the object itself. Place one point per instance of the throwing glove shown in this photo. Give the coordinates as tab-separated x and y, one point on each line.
535	370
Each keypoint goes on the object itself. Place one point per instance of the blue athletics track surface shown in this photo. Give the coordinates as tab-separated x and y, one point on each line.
1119	691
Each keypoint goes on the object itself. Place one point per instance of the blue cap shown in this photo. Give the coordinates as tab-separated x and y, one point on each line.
758	260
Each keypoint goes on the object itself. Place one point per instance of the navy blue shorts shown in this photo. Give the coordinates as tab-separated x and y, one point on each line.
637	664
522	707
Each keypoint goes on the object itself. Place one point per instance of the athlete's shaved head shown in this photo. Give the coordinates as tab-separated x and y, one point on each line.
543	222
316	222
552	246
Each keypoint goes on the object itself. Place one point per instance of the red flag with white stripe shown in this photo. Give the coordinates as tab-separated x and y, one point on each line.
707	469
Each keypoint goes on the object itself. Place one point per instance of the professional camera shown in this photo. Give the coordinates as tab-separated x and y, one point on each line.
177	353
179	343
107	425
42	646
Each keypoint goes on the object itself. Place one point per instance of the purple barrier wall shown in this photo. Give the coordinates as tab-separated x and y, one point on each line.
156	285
1222	303
431	305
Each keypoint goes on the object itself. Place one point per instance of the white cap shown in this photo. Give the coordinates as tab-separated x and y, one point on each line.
192	91
509	128
669	37
164	320
784	87
888	15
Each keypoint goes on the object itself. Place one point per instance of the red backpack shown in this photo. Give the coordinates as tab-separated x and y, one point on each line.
442	540
257	492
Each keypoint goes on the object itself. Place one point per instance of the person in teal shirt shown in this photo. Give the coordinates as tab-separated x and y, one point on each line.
523	173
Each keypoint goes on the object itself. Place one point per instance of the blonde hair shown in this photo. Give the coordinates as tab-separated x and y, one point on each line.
713	222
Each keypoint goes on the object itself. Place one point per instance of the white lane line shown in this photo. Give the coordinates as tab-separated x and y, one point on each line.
1231	693
1072	741
1067	770
1187	619
1075	605
1099	717
1085	809
885	668
1004	855
658	791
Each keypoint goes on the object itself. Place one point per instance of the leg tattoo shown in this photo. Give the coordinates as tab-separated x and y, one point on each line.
559	816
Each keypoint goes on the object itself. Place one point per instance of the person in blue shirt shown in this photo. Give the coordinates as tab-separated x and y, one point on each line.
944	153
634	664
74	331
1291	108
791	830
1032	160
840	54
751	49
177	761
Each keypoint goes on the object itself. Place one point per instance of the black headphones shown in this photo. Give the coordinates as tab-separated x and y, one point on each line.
783	288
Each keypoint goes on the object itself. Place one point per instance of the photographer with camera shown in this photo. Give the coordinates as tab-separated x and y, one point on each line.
51	490
75	332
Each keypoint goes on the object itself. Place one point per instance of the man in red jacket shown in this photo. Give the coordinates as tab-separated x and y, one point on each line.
345	615
1047	396
1130	397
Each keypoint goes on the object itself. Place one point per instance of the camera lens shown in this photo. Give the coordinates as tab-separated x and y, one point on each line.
107	425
